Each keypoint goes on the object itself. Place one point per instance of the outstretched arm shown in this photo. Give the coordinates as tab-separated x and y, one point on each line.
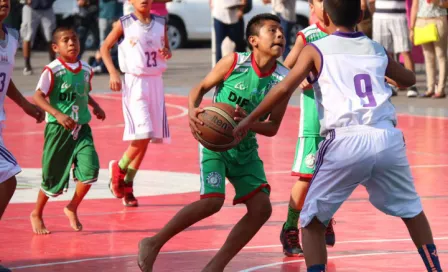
269	127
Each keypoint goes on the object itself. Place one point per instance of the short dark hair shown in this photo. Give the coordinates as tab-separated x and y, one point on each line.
58	30
344	13
257	22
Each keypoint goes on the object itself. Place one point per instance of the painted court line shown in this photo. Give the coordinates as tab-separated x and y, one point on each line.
245	248
255	268
412	166
179	115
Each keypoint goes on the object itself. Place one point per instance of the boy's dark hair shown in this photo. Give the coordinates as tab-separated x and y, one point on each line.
257	22
344	13
58	30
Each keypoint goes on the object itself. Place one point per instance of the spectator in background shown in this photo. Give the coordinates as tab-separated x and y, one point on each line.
110	11
390	29
286	10
35	13
85	19
365	26
228	22
158	8
423	13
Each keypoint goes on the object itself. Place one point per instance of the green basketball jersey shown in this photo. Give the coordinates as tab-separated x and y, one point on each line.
247	87
69	91
309	118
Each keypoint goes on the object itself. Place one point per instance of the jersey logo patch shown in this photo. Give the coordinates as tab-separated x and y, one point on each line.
240	86
310	161
133	41
214	179
65	85
4	58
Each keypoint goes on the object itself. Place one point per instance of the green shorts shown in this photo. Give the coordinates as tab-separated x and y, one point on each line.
62	149
247	179
305	157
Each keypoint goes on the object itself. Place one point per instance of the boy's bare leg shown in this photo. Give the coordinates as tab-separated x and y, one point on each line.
298	193
149	247
419	230
37	221
259	210
7	189
72	208
421	235
313	242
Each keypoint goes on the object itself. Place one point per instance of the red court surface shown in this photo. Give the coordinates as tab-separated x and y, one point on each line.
366	239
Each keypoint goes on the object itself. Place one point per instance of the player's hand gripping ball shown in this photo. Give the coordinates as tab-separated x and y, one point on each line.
214	127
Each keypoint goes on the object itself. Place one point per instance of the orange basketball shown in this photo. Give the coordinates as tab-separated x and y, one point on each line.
217	131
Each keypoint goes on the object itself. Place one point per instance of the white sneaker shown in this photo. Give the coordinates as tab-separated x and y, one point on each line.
27	71
412	92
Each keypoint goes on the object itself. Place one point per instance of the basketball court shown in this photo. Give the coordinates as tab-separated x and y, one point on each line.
366	240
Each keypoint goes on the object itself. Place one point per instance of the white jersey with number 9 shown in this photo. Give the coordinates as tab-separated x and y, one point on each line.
351	88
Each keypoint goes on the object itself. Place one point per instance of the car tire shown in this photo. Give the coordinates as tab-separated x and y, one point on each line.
177	35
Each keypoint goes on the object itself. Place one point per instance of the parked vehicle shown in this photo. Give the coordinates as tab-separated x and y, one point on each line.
190	20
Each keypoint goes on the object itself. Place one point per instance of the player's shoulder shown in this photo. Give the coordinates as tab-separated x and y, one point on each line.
127	20
379	49
12	32
86	67
311	27
158	18
309	30
55	66
281	70
243	57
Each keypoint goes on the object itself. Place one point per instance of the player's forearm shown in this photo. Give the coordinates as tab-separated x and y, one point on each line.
273	98
195	97
107	60
42	103
266	128
93	103
14	94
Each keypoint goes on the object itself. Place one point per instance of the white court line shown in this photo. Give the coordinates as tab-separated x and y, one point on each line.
216	249
412	166
180	115
255	268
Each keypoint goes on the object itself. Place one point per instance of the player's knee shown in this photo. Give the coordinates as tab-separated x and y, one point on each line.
143	143
262	209
212	205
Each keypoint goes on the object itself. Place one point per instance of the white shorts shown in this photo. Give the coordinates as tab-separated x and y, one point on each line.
144	109
8	164
391	33
374	157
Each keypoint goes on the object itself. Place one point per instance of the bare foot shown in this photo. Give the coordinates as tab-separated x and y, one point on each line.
147	254
37	223
73	218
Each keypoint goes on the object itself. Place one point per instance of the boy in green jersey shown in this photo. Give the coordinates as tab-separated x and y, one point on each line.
68	137
241	80
308	142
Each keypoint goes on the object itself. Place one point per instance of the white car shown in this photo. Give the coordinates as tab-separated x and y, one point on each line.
190	20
